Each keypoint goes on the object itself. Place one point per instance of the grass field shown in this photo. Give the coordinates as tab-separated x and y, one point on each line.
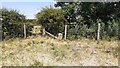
45	51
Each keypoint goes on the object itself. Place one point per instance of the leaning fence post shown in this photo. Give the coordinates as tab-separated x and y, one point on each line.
24	30
65	32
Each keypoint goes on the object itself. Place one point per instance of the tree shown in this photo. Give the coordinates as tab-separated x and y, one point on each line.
52	19
90	12
11	23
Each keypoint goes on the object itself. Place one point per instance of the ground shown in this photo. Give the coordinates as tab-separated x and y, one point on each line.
45	51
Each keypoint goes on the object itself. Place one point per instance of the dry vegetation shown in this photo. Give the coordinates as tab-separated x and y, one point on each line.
44	51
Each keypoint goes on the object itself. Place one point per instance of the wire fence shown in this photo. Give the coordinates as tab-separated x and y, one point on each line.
16	30
73	31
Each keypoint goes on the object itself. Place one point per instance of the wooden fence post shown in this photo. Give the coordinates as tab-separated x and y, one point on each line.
24	30
65	32
43	31
98	32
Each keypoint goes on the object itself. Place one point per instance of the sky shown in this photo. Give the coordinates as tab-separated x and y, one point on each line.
29	9
27	0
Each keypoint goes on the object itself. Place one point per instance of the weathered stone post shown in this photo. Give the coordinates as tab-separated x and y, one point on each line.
60	36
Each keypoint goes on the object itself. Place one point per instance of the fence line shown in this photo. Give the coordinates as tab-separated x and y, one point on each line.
51	34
